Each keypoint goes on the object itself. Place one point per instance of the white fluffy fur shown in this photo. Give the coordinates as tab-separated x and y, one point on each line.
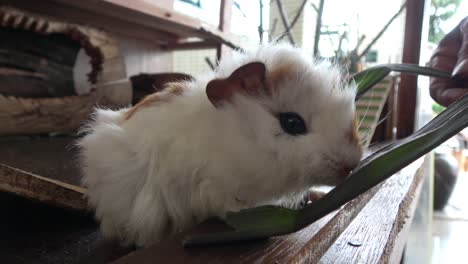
174	164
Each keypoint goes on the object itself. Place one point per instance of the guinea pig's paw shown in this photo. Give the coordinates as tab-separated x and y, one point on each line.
312	195
315	195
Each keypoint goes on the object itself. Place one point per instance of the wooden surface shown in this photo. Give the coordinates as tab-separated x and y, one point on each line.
34	232
154	22
380	227
386	210
42	169
45	217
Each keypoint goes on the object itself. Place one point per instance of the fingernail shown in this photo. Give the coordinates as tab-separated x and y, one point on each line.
461	70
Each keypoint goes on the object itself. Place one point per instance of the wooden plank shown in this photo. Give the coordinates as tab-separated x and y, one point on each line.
53	158
224	24
305	246
44	170
266	251
39	188
204	44
378	234
38	233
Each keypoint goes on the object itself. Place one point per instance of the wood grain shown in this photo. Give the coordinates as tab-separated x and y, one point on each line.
45	190
52	158
379	226
21	116
42	169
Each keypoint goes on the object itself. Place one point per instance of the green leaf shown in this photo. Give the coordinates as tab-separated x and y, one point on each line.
252	223
368	78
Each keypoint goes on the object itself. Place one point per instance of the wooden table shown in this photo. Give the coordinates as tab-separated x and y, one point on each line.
370	229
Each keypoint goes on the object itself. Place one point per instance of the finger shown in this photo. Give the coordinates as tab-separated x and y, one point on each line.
444	95
449	96
447	48
444	63
461	69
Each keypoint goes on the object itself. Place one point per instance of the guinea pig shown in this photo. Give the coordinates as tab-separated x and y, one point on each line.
264	127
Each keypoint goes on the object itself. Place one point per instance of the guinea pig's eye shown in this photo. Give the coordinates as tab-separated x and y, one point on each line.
292	123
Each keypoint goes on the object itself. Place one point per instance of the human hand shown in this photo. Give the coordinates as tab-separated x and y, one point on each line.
451	55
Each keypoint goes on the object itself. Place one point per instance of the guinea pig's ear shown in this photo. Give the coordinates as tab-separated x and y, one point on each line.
247	79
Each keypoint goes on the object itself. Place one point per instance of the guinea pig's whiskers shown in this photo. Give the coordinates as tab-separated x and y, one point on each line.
367	109
371	128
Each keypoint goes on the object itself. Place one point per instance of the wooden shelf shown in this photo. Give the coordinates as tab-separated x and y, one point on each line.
136	18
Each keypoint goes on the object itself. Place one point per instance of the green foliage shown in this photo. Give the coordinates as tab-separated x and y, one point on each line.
267	221
368	78
437	108
441	10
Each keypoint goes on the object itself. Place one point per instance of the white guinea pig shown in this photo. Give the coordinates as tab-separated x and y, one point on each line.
266	126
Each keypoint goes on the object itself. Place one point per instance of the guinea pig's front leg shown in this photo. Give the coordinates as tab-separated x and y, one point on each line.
149	220
212	199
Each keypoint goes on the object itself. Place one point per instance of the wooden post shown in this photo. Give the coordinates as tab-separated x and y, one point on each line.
407	91
225	11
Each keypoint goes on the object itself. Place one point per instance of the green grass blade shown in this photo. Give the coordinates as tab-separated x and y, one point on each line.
368	78
253	223
371	76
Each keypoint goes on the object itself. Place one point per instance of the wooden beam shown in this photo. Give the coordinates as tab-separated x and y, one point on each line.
224	24
192	45
407	92
139	18
114	25
39	188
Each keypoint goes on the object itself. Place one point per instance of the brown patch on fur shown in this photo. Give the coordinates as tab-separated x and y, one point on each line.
248	79
281	73
354	134
170	90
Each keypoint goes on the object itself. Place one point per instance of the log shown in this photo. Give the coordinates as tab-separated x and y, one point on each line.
34	65
57	111
56	47
26	116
